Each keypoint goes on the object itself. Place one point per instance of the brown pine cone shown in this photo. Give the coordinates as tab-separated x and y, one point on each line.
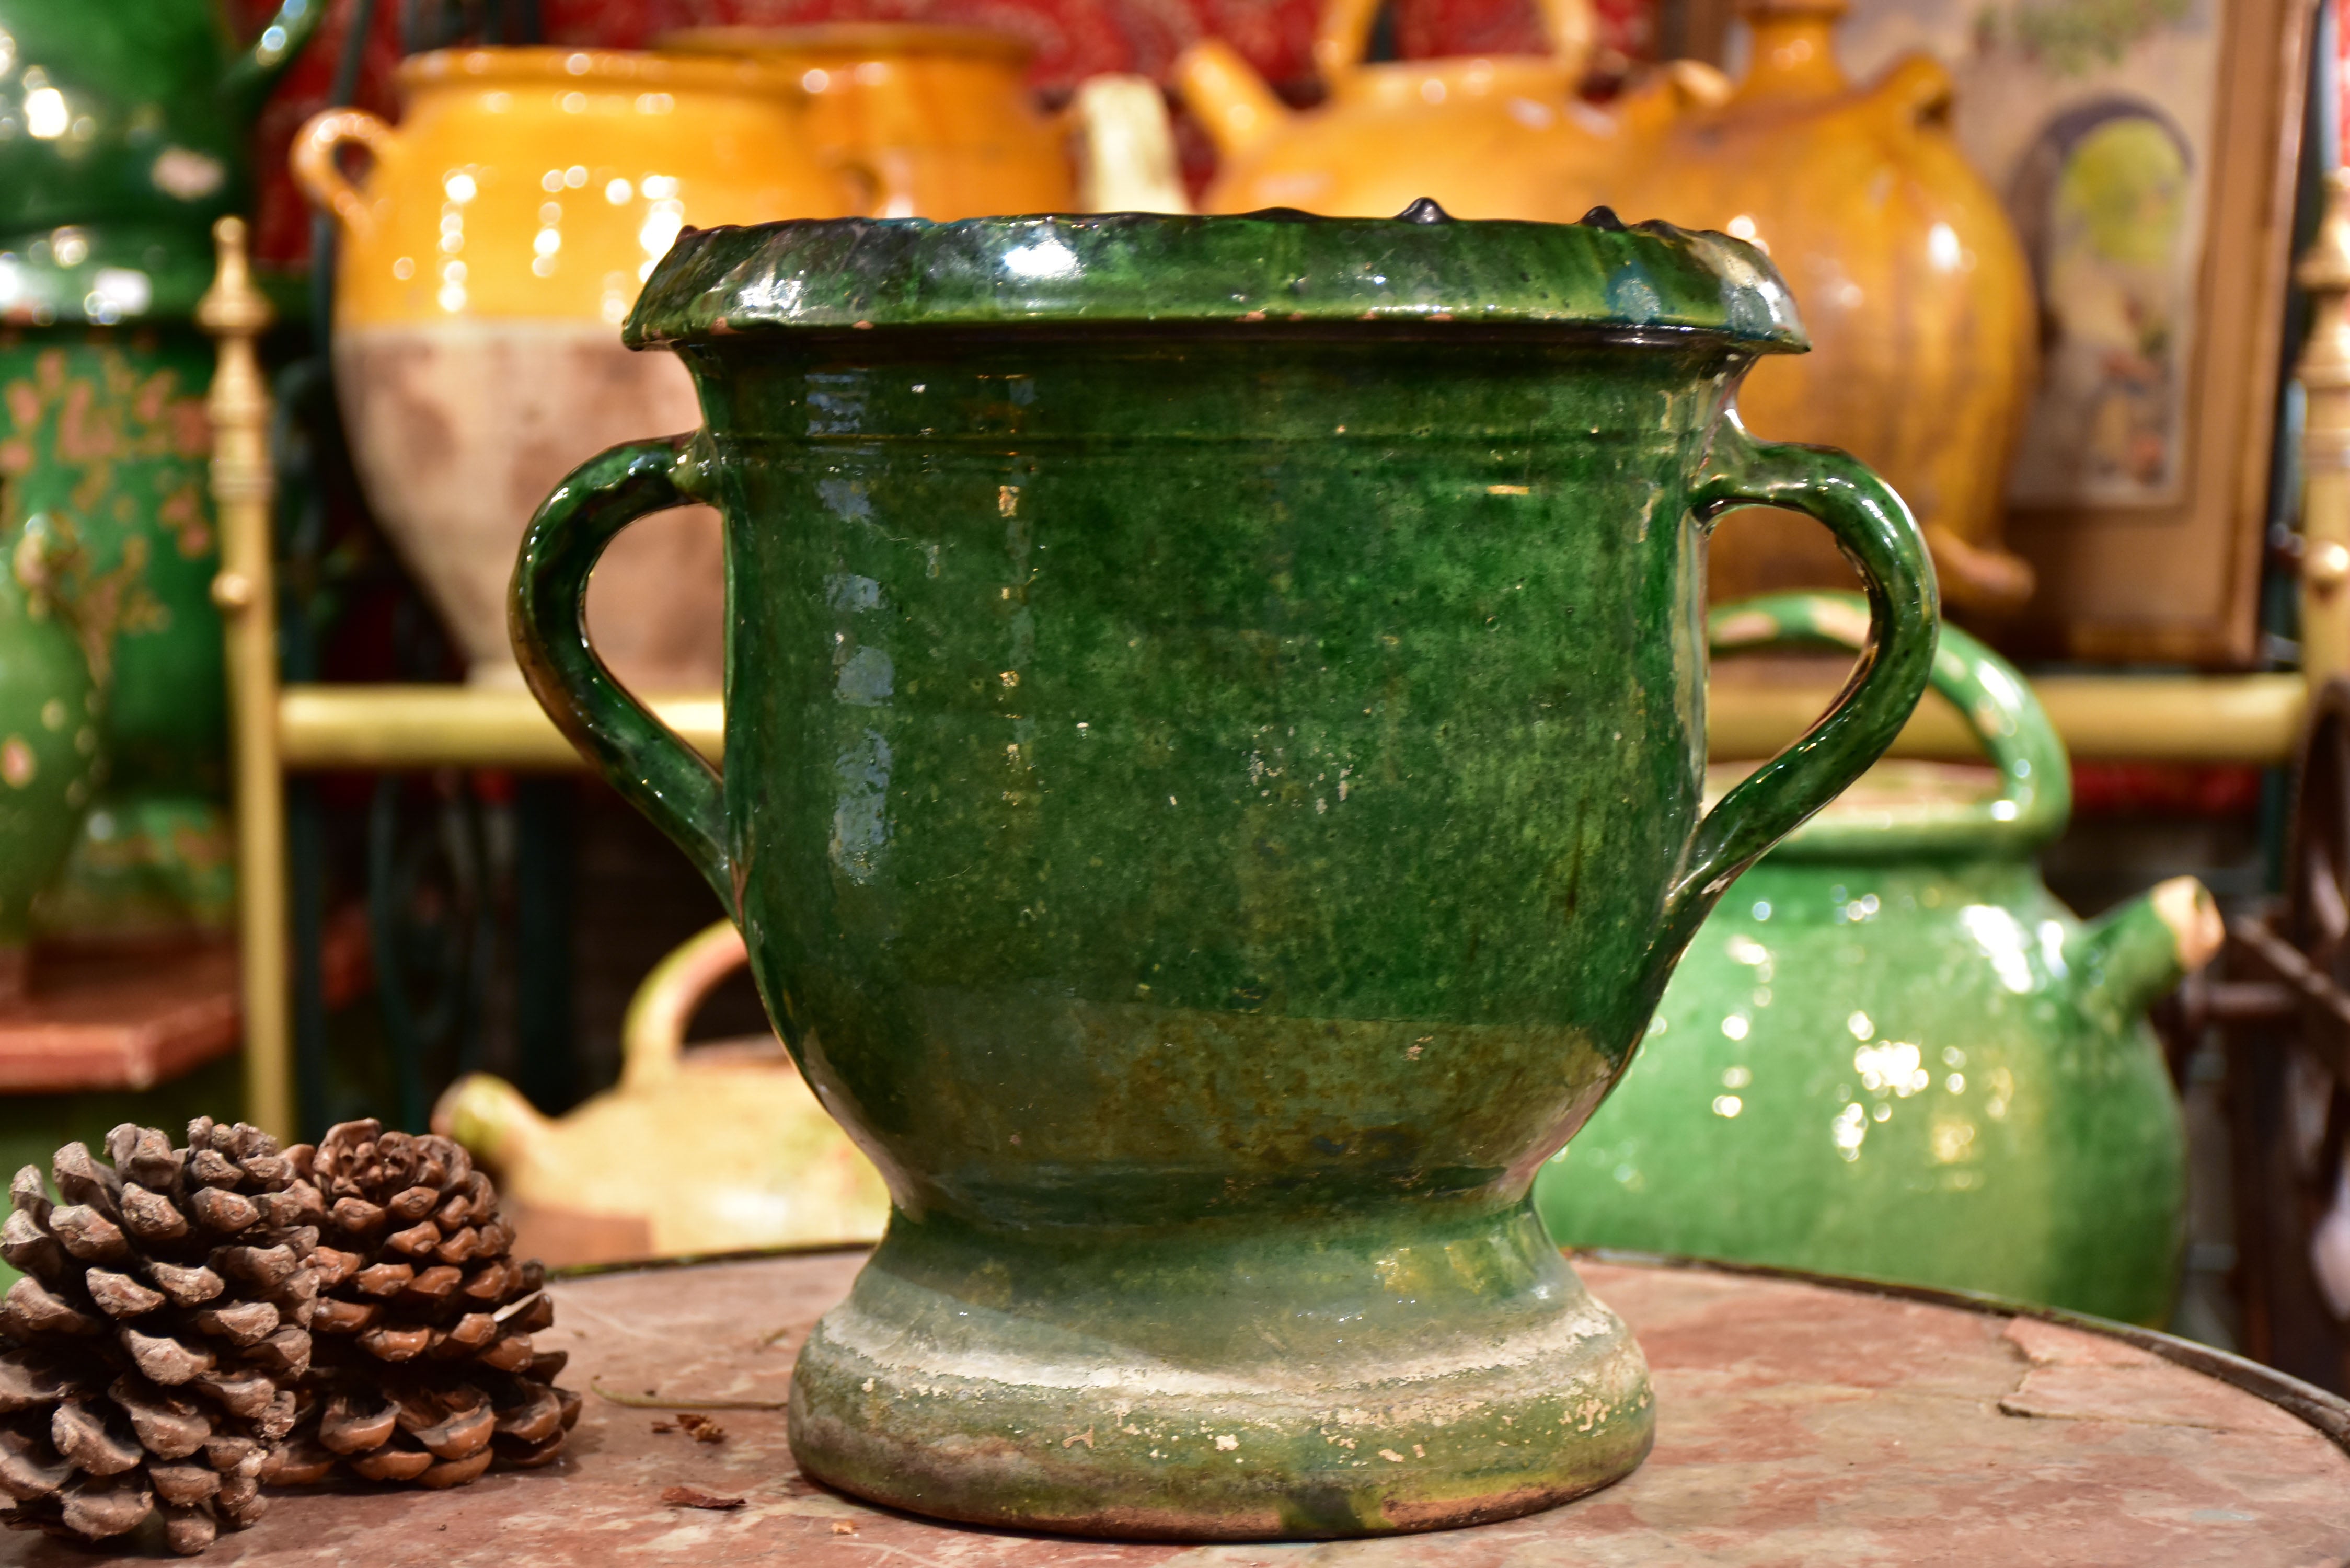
150	1354
424	1369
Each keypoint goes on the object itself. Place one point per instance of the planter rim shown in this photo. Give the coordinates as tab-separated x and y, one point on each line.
1273	269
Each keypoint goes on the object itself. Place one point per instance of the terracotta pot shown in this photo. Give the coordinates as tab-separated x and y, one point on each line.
1910	280
1213	747
1504	136
487	261
1892	1052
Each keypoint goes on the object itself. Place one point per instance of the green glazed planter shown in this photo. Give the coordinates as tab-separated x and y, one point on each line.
50	707
1214	744
1892	1053
104	442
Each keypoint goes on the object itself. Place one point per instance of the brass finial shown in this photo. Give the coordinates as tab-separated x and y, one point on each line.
233	306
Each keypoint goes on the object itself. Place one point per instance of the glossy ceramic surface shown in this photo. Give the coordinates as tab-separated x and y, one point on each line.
934	122
122	135
104	442
1214	739
489	256
1892	1053
50	706
1505	136
1920	301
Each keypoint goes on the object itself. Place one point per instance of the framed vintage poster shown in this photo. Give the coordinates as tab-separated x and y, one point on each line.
2146	151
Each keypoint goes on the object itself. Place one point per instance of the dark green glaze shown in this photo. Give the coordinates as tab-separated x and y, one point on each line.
1211	801
1892	1053
103	442
125	127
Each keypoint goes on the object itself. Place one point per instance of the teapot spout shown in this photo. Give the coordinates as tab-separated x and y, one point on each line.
496	1125
251	74
2128	959
1231	101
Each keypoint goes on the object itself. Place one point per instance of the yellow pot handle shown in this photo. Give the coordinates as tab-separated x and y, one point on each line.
1345	32
313	161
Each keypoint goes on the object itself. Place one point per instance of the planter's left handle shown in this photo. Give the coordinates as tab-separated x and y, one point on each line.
654	771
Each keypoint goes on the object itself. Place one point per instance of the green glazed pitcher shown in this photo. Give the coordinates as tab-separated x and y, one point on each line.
1893	1053
1214	739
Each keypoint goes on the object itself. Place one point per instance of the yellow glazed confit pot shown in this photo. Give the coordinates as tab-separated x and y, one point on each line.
488	256
1504	136
1909	276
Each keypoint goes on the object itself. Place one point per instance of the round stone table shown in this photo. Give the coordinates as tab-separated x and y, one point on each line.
1797	1423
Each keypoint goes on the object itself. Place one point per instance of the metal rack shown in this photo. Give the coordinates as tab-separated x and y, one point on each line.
2240	719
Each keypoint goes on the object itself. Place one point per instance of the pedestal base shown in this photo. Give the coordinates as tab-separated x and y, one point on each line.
1310	1384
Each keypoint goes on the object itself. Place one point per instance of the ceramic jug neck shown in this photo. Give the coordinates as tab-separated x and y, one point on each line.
1795	50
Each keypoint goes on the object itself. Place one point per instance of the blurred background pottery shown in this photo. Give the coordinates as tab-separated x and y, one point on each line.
126	134
1892	1053
106	445
51	704
1498	135
1911	279
939	122
727	1148
488	257
936	122
1213	797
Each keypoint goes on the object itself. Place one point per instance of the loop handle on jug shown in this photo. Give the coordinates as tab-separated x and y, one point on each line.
2035	793
546	612
313	161
1878	535
1343	35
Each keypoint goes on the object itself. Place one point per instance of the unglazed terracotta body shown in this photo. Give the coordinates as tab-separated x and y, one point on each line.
1500	137
937	121
1892	1053
1212	797
1911	280
487	261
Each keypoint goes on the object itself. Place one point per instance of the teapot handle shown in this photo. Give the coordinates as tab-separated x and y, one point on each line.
546	612
2036	797
1877	535
1344	34
313	161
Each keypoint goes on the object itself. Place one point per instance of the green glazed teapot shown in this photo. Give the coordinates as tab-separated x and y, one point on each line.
1892	1053
1214	740
125	127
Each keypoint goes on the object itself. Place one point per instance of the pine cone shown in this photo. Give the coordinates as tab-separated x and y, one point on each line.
150	1354
424	1370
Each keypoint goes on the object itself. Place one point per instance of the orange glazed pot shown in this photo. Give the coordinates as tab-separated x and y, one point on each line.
488	258
1909	275
937	121
1504	136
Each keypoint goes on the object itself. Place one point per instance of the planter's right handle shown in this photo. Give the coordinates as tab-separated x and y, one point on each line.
1877	535
642	758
